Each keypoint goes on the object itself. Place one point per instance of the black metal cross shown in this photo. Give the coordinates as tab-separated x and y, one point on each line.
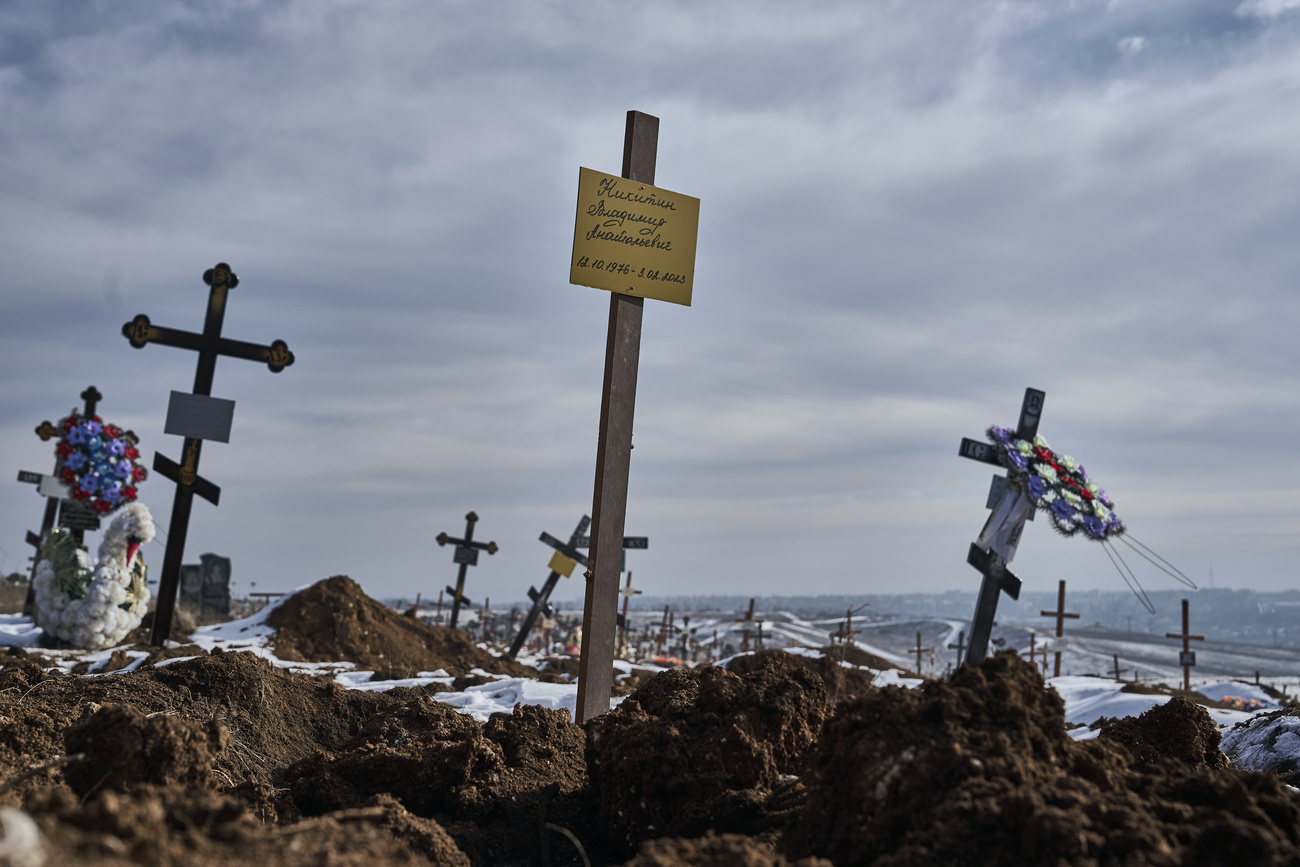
197	426
563	562
466	555
635	543
997	577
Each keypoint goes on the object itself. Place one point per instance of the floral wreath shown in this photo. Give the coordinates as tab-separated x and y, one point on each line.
99	462
1058	485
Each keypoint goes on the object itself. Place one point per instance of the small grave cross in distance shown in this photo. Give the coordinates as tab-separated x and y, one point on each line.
747	626
1188	657
627	593
1060	614
919	651
196	417
466	555
1115	669
960	647
563	562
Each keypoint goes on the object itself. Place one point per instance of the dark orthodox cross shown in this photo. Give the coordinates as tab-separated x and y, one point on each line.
920	650
466	555
613	456
1188	657
1033	639
1060	614
997	577
1115	669
197	416
960	647
563	562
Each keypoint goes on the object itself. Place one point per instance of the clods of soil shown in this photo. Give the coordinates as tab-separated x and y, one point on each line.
702	749
979	770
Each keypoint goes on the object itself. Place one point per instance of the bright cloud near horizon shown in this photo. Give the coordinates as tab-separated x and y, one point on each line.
909	214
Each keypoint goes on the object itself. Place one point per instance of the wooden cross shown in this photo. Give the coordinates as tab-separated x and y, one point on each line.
613	456
627	593
663	633
992	565
439	614
466	555
484	615
919	651
1060	614
563	562
746	627
1033	640
1188	657
1115	669
202	417
960	647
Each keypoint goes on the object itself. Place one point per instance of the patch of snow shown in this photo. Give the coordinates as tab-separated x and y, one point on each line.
1264	744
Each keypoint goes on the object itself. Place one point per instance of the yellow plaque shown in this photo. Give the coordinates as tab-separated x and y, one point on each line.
563	565
634	239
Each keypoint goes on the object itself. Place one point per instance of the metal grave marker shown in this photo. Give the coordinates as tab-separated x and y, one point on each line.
1000	537
466	555
613	257
209	345
565	559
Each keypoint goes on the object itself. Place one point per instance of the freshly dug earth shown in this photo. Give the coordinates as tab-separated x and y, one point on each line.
335	620
979	770
842	684
493	786
224	759
702	749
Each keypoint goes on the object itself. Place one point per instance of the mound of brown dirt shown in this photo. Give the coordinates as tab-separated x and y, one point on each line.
121	748
842	684
273	717
335	620
699	749
715	850
979	770
163	826
490	785
1178	729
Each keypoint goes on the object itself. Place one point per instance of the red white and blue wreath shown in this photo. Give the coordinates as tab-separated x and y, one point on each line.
1059	485
99	463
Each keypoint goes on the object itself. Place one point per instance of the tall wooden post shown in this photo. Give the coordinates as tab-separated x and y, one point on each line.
613	456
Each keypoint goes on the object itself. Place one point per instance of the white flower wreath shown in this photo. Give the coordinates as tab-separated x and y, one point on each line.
94	609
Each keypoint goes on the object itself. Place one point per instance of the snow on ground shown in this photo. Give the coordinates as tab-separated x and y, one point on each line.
1265	744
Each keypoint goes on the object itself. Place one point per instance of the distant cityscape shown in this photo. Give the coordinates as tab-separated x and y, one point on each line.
1246	616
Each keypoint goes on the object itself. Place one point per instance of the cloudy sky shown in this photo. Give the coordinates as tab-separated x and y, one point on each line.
910	212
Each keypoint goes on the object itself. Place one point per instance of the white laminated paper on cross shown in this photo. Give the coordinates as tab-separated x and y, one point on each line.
1001	533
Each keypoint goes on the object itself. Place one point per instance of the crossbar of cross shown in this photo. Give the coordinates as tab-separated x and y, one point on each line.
466	555
210	345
